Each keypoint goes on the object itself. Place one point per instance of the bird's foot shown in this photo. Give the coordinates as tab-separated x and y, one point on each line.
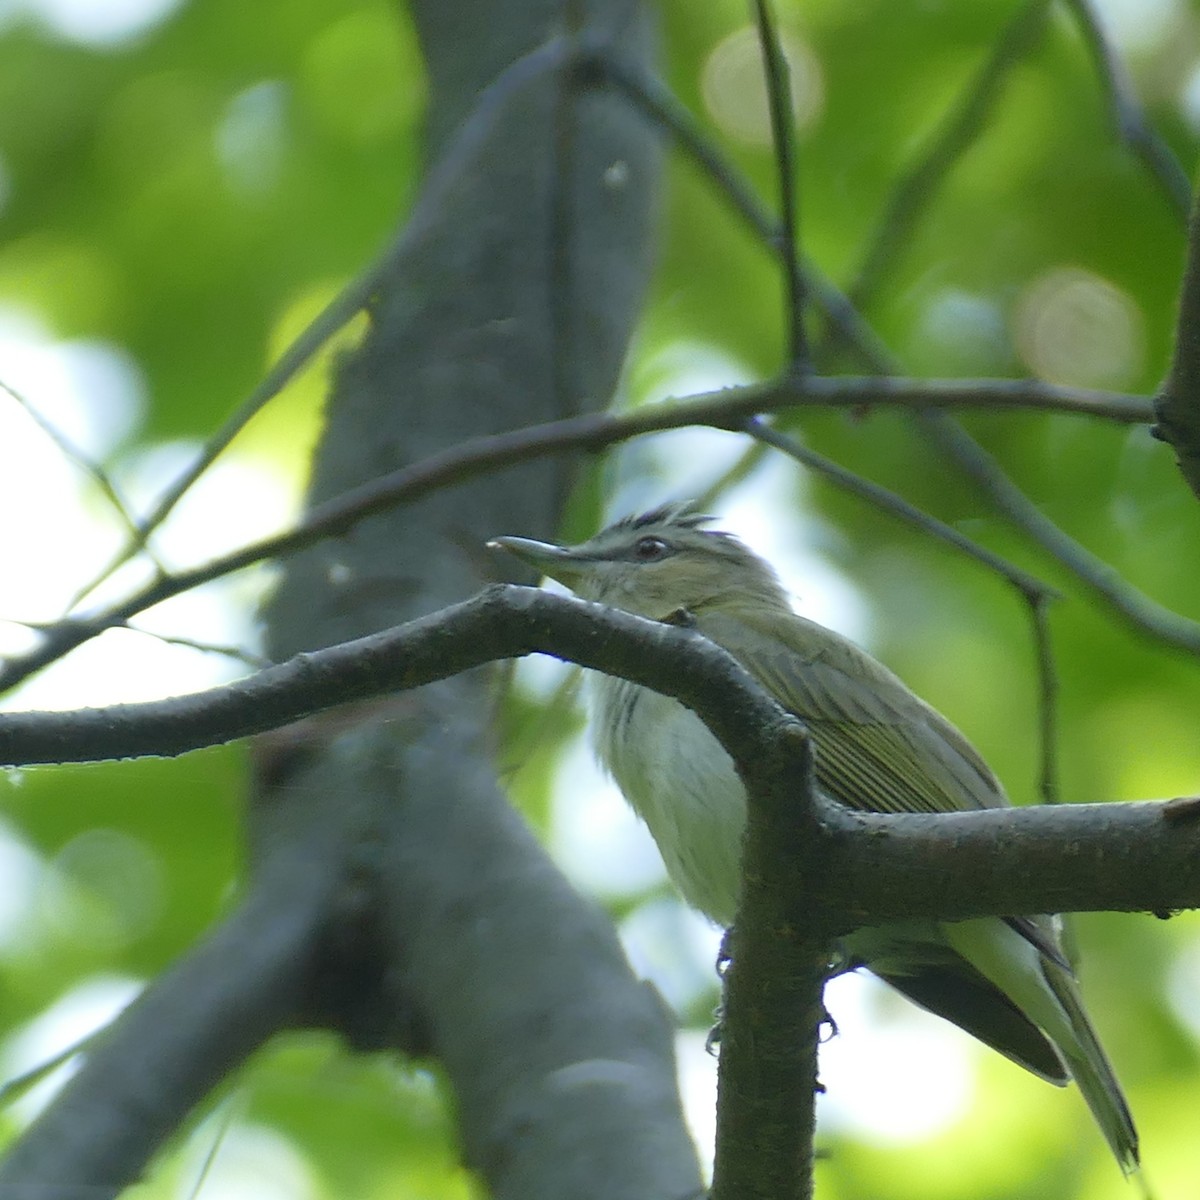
725	953
827	1028
712	1043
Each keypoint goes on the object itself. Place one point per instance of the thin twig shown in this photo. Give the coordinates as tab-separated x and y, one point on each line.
961	125
14	1088
738	472
442	177
783	137
72	453
224	1124
477	456
1177	405
238	653
661	107
1142	613
1037	594
659	104
1128	117
1033	589
1047	699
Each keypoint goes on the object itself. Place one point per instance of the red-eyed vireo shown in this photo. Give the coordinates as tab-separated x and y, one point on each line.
878	747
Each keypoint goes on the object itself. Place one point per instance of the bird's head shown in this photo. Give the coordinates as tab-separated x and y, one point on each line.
656	564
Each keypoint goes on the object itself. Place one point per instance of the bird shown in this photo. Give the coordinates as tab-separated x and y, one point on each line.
878	747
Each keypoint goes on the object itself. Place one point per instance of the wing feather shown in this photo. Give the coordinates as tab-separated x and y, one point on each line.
879	747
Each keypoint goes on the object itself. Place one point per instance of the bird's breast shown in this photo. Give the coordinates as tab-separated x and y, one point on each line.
680	781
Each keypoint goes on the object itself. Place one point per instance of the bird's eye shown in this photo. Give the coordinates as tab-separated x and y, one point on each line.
650	549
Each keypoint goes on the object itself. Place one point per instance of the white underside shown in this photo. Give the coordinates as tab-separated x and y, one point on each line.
680	781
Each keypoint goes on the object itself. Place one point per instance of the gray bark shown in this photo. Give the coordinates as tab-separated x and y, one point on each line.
514	307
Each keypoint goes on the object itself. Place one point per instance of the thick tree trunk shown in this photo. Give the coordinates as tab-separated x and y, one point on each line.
515	307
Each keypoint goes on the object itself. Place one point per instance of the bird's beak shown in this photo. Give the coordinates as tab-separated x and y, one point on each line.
559	562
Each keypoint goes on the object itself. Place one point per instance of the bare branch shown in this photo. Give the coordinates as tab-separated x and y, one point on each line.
478	456
1127	115
344	926
767	1081
661	107
783	136
958	130
73	454
1131	860
1039	611
1028	585
1034	591
1178	404
352	299
1139	611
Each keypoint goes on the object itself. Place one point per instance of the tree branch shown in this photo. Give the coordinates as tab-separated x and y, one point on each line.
1139	611
783	137
478	456
190	1027
774	985
1126	857
1129	121
1029	586
959	128
660	106
1177	406
353	298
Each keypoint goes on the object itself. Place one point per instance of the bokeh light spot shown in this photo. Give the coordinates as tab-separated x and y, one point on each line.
964	331
21	870
100	23
365	83
1077	329
106	889
1138	26
251	137
735	91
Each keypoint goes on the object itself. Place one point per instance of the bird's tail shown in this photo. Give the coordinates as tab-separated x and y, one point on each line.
1080	1047
1044	988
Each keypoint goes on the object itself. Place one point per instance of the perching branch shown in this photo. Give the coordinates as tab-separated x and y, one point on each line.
774	985
1121	857
1029	586
1037	594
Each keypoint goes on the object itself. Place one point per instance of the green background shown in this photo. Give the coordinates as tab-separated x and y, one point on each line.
193	193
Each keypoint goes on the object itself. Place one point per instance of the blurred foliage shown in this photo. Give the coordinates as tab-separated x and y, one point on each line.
193	190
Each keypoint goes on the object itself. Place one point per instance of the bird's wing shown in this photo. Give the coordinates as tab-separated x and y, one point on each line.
957	992
879	747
